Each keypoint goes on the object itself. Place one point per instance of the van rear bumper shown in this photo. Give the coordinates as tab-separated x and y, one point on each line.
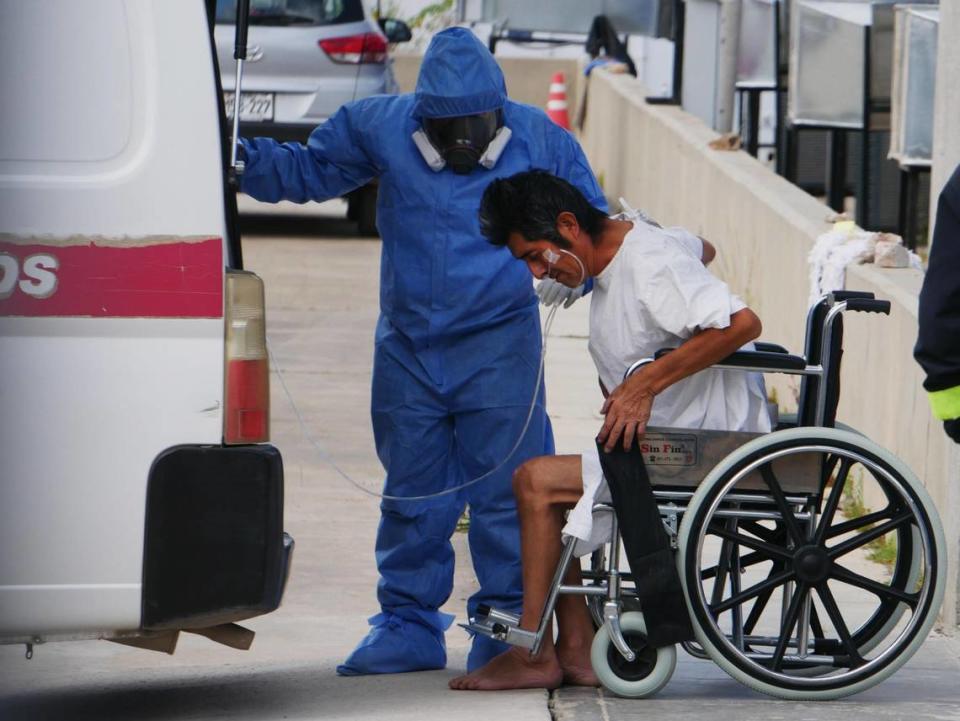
214	547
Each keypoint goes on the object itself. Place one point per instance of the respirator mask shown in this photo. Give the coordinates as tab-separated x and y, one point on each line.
462	142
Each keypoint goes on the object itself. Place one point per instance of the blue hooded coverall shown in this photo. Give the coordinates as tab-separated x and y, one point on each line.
457	343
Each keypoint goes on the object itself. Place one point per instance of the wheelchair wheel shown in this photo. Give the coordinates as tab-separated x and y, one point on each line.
640	678
811	561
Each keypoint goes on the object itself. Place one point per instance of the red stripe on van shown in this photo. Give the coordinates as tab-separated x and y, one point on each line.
160	279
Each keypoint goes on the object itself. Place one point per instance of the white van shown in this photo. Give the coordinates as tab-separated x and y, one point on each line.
138	494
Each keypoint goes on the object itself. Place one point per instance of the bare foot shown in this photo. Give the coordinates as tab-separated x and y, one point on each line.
580	676
515	668
577	669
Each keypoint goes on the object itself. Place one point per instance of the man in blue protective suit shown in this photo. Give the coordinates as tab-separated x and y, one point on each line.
458	339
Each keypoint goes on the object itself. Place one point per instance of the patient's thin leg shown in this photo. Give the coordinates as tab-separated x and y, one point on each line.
575	634
545	487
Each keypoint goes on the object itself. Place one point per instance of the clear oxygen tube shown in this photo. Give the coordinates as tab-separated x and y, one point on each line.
329	460
553	258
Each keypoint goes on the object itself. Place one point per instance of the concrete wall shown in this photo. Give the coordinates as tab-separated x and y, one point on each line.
946	123
528	79
658	158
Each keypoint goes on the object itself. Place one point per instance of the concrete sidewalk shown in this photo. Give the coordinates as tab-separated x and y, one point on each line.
926	688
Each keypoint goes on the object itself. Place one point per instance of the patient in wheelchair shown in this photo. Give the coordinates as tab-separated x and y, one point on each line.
651	290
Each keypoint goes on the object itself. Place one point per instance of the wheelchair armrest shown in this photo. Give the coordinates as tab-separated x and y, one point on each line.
769	347
762	359
773	361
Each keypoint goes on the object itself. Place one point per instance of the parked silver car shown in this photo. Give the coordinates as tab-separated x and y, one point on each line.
306	58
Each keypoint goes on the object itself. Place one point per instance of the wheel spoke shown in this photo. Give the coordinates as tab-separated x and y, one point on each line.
864	538
761	603
707	573
857	523
828	465
789	621
789	520
757	610
836	618
770	535
769	549
771	581
881	590
750	559
735	588
833	502
722	572
815	624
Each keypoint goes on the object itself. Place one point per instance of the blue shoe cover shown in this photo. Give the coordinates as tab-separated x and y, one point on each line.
483	650
396	645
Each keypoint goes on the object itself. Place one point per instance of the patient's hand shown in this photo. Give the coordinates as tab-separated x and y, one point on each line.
627	410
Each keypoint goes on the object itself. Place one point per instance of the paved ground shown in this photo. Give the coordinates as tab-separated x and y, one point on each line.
926	688
321	294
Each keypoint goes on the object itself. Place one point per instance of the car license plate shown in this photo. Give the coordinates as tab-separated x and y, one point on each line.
254	107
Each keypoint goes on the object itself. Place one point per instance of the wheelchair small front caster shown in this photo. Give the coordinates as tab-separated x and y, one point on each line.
646	674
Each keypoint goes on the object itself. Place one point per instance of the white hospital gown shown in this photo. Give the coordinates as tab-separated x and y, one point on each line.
656	293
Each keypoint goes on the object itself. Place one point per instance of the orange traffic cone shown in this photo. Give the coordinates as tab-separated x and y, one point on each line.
557	102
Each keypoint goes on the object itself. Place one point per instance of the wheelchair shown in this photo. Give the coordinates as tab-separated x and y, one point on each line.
811	560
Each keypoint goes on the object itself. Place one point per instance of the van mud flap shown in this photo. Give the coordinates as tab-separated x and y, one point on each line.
214	547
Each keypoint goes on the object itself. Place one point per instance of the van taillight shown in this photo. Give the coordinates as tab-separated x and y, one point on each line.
246	417
356	49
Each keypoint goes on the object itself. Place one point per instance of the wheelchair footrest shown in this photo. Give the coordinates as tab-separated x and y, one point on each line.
501	625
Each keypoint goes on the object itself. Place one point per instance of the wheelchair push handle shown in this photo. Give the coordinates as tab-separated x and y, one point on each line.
838	296
869	305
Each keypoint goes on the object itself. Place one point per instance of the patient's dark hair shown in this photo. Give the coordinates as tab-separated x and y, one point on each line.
529	203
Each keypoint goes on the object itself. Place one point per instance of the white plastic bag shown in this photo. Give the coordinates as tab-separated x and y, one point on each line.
833	251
